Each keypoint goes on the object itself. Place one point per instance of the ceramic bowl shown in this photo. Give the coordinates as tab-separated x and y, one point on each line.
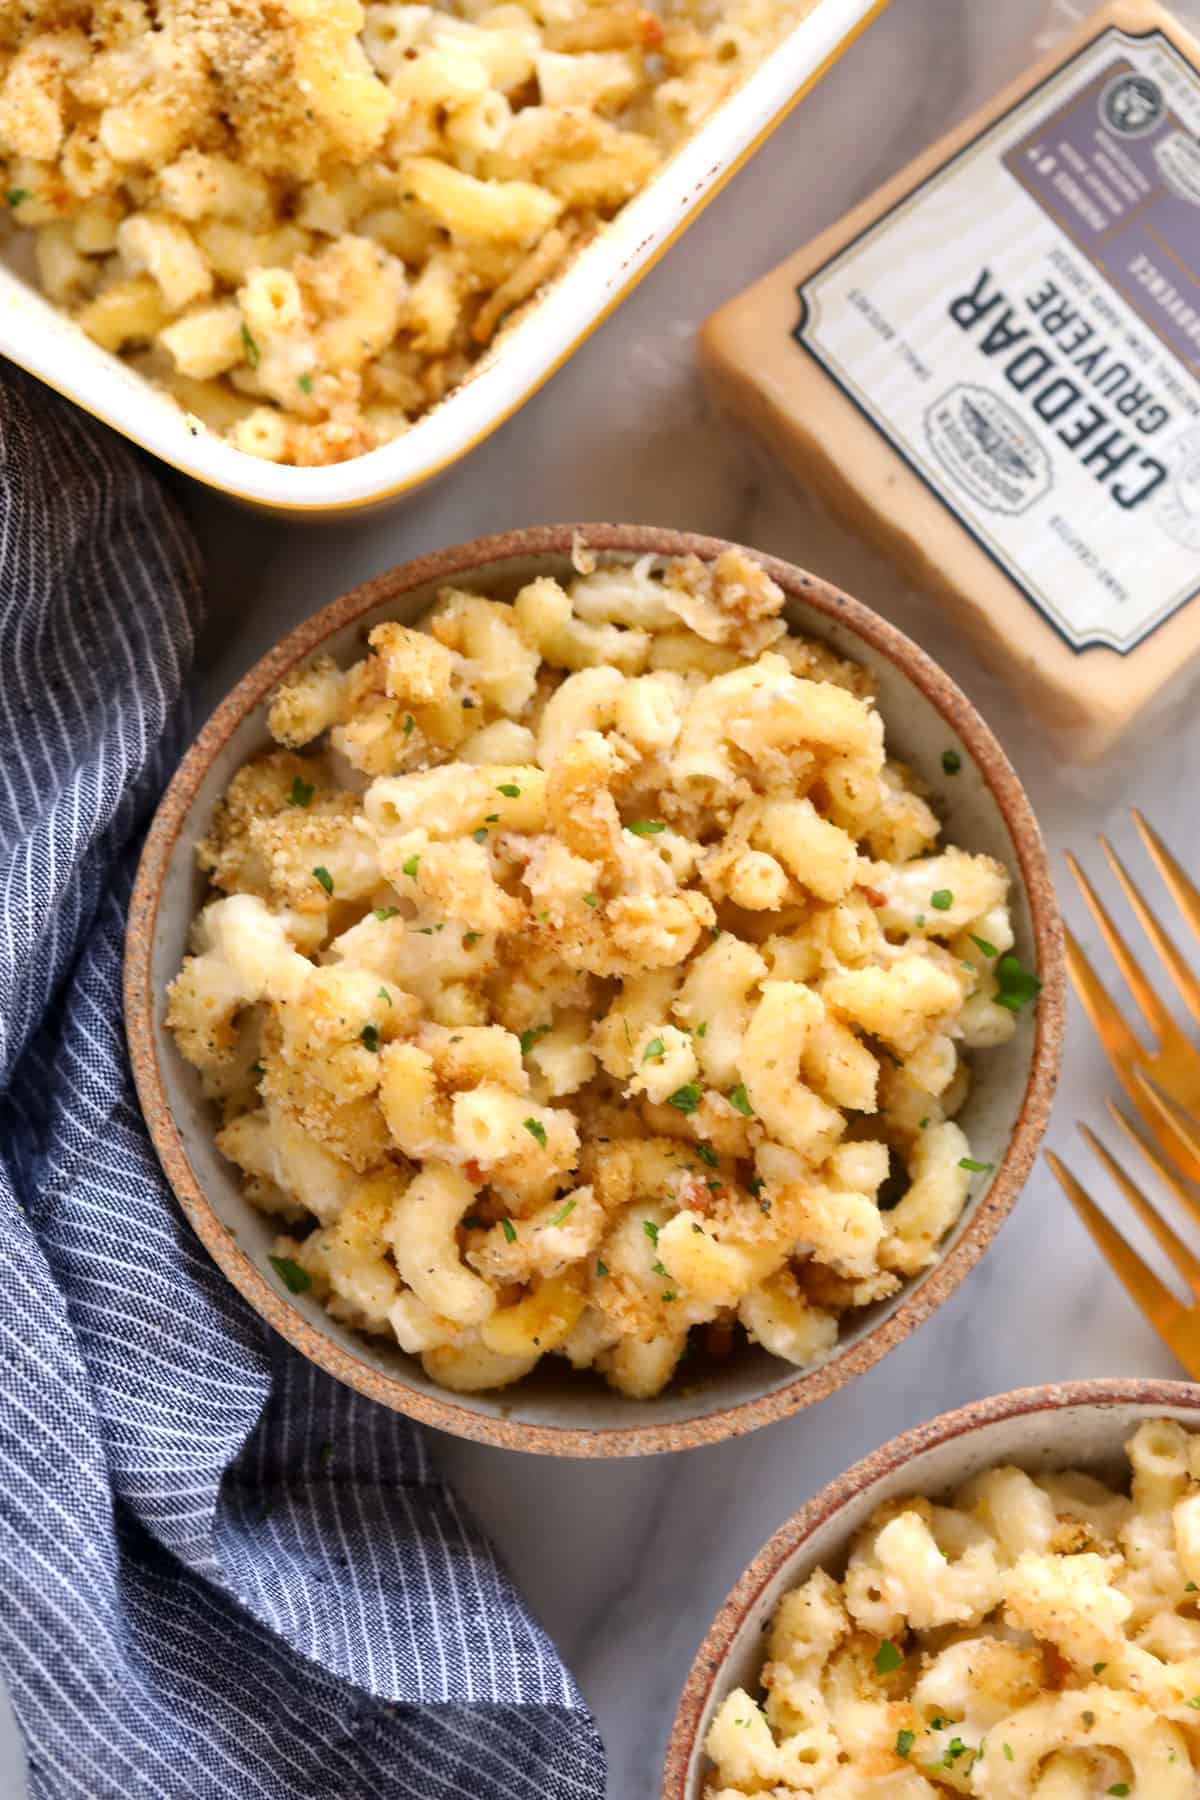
573	1414
1080	1424
47	343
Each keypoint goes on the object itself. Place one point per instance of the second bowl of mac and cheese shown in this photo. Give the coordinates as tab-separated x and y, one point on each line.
596	989
1001	1601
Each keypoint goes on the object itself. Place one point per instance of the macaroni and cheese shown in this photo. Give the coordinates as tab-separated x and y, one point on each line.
1035	1634
582	976
306	218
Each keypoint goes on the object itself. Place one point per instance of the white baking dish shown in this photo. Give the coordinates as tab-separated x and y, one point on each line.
35	335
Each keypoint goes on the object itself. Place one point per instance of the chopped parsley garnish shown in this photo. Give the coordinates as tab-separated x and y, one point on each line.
1191	1588
304	382
1194	1702
295	1279
983	945
654	1048
658	1269
325	879
888	1658
383	913
1098	1668
601	1269
685	1099
645	827
651	1231
253	353
384	995
16	196
491	818
954	1750
951	761
1008	1752
472	1222
370	1037
537	1130
904	1742
409	723
302	792
669	1295
510	789
560	1217
410	866
1118	1787
941	900
701	1028
480	834
529	1038
924	1125
707	1154
755	1184
591	899
740	1101
509	1230
1016	985
469	938
976	1168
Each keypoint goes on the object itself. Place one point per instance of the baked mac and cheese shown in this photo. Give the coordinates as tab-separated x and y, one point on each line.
1036	1634
307	218
581	975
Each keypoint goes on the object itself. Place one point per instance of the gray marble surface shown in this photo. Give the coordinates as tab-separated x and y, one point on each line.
626	1562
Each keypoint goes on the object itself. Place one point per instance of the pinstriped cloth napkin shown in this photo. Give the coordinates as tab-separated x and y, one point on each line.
221	1573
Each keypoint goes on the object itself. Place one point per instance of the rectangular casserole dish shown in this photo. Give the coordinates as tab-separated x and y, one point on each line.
39	338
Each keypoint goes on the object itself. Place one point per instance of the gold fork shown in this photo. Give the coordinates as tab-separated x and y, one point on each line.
1163	1082
1176	1323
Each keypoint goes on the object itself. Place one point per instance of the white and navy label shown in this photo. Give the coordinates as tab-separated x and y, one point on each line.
1024	329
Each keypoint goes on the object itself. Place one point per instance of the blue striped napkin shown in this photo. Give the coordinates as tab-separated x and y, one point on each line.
221	1573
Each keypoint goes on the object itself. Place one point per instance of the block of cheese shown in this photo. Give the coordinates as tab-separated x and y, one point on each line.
993	367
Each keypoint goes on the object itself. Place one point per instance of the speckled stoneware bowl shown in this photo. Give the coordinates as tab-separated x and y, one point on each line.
558	1411
1080	1424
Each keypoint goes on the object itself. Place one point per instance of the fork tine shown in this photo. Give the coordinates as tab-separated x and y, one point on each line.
1118	1040
1152	1008
1183	890
1141	1283
1186	984
1162	1114
1167	1239
1189	1200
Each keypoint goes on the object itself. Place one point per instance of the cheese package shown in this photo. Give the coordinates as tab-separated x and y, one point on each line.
993	366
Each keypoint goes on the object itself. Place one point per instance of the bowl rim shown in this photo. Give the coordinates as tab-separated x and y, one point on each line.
962	1421
444	1411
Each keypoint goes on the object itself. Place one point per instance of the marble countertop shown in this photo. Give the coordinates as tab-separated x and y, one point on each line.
626	1562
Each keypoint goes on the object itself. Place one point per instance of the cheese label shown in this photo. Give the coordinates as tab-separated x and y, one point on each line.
1024	329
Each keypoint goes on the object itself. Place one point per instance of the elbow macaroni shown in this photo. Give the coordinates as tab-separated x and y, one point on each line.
306	221
1022	1639
576	1095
